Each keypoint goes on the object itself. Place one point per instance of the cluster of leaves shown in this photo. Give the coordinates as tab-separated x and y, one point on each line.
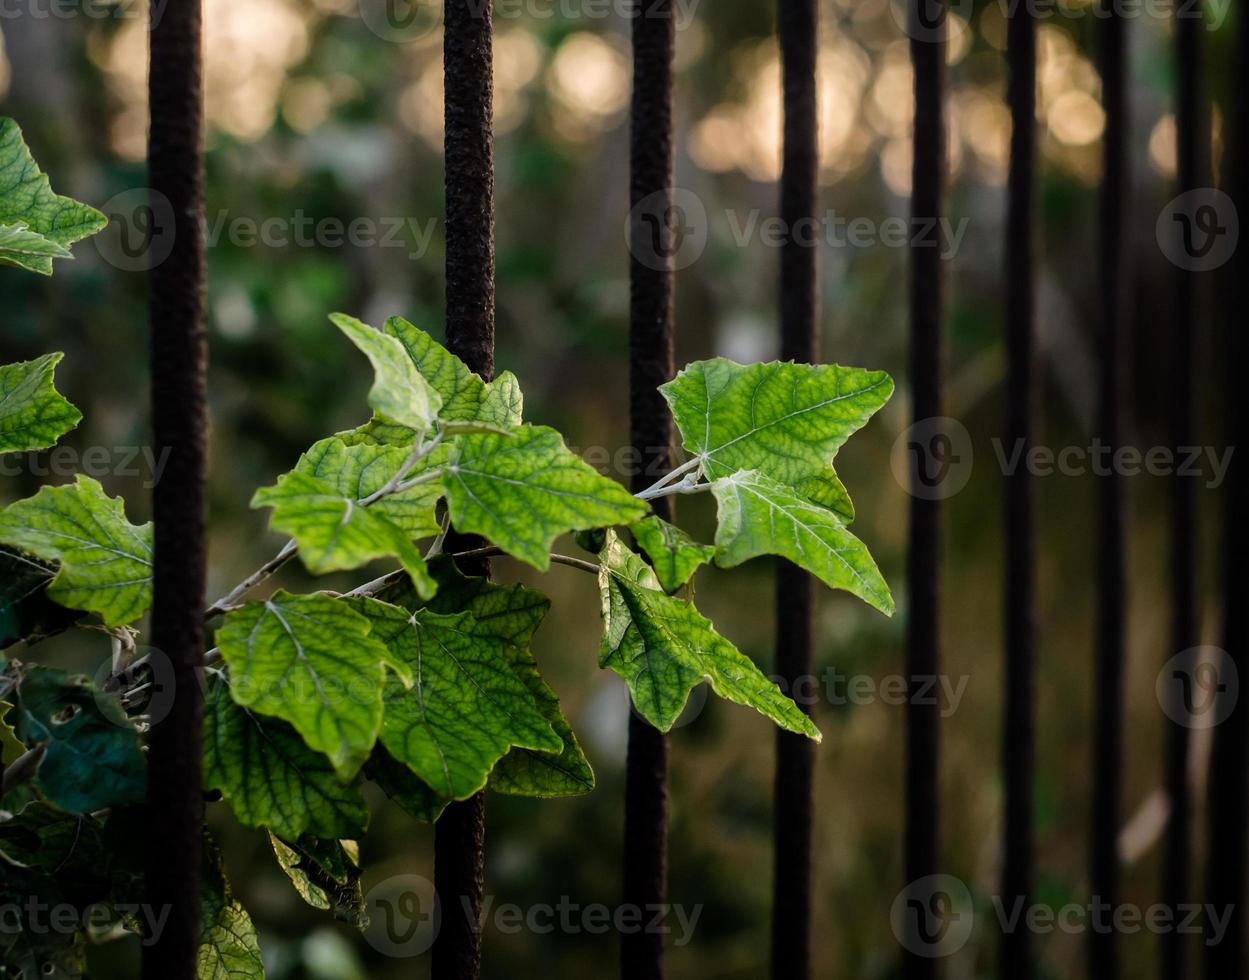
421	680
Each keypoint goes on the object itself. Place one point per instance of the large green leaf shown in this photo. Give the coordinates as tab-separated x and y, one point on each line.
759	516
663	649
468	706
28	202
309	659
270	777
511	614
336	532
26	612
524	490
360	469
787	420
228	946
674	555
92	758
105	561
33	415
399	392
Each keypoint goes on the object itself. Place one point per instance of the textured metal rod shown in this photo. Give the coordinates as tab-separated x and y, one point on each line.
1109	632
1018	742
459	835
798	29
651	363
923	798
179	422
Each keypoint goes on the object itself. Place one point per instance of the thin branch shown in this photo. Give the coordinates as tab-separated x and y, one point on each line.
490	551
689	485
231	599
396	484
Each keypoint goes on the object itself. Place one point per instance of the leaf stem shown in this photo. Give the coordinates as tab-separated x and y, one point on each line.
688	485
396	482
681	470
231	599
490	551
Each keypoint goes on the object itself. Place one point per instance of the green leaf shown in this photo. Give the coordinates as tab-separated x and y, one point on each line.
334	532
106	562
674	555
326	873
511	614
28	202
40	836
270	777
19	245
787	420
525	491
465	396
468	707
502	402
11	748
359	470
663	649
404	787
309	659
399	392
33	415
228	946
461	390
26	612
759	516
92	757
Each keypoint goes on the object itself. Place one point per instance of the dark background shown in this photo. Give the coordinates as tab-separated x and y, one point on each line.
313	114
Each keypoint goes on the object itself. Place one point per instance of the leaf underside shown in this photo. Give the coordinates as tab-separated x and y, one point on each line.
663	649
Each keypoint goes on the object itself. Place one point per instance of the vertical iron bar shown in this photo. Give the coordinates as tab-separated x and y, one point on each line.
1018	749
1109	652
923	826
1228	782
798	29
459	835
651	363
1176	884
179	413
